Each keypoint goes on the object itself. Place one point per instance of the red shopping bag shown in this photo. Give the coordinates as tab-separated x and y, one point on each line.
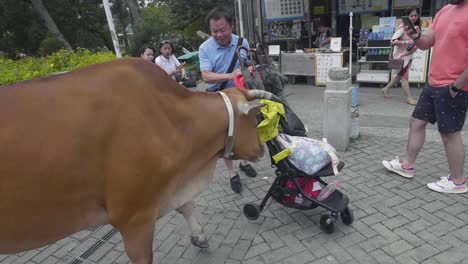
307	185
239	81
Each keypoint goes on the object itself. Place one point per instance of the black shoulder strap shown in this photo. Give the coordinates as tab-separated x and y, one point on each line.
233	63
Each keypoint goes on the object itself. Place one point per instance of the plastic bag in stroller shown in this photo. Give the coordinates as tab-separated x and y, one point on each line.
299	185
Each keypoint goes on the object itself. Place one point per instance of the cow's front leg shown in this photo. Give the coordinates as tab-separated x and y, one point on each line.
197	237
137	235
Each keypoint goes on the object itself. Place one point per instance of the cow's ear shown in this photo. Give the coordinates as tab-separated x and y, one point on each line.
244	108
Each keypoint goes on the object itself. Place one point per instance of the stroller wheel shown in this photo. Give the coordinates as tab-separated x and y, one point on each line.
327	224
251	211
347	216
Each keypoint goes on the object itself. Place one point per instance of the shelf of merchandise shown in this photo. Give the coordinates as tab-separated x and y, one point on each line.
376	47
373	75
372	61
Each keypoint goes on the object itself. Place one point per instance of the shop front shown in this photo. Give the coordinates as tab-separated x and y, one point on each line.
294	26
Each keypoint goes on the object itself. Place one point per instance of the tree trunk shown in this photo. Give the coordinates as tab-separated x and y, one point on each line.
50	24
134	11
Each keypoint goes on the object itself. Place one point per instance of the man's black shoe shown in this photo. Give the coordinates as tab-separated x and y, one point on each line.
236	184
249	171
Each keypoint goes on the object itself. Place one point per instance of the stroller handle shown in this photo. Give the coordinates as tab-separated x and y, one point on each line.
252	53
238	52
262	56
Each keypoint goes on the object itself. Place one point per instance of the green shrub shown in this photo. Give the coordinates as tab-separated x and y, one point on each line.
12	71
50	45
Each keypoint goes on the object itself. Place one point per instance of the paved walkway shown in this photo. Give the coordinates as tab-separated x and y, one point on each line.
397	220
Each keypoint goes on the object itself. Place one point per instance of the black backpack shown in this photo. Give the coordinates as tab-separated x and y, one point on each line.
292	125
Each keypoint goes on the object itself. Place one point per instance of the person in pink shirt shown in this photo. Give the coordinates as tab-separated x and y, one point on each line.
403	48
445	97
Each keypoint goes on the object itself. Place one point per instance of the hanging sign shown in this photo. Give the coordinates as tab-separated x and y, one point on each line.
319	10
284	30
362	6
283	9
402	4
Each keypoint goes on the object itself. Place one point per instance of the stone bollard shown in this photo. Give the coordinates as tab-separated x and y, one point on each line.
337	108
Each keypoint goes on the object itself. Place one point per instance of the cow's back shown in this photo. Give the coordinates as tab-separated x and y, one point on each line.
59	136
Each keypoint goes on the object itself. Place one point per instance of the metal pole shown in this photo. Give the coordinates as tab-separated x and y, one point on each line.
241	22
110	21
350	43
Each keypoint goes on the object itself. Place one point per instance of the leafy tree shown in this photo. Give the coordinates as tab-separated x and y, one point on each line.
186	12
21	29
49	22
155	23
123	21
83	22
189	16
50	45
133	6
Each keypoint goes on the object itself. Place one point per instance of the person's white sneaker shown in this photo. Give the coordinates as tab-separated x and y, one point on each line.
446	185
394	165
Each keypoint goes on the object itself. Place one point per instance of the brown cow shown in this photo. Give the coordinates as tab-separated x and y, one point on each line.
118	143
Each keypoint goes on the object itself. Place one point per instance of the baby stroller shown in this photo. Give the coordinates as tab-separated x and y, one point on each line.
289	179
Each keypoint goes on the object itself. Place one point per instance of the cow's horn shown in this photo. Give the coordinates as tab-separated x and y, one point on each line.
245	108
259	94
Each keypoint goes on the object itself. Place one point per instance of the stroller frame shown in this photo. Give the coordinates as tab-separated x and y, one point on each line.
336	203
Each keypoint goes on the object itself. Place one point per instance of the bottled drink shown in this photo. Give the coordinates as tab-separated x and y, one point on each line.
381	35
361	36
366	34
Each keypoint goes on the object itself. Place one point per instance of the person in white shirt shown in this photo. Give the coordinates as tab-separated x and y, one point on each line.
167	61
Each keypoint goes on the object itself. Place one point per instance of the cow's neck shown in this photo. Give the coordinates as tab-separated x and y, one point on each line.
229	142
210	124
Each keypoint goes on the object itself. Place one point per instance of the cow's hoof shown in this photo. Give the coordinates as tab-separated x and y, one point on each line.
199	242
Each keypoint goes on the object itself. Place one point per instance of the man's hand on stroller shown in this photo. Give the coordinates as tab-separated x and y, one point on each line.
235	73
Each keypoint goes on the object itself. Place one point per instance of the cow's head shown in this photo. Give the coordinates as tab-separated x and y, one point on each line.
246	104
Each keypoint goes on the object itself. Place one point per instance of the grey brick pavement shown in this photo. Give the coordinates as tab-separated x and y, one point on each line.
397	220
